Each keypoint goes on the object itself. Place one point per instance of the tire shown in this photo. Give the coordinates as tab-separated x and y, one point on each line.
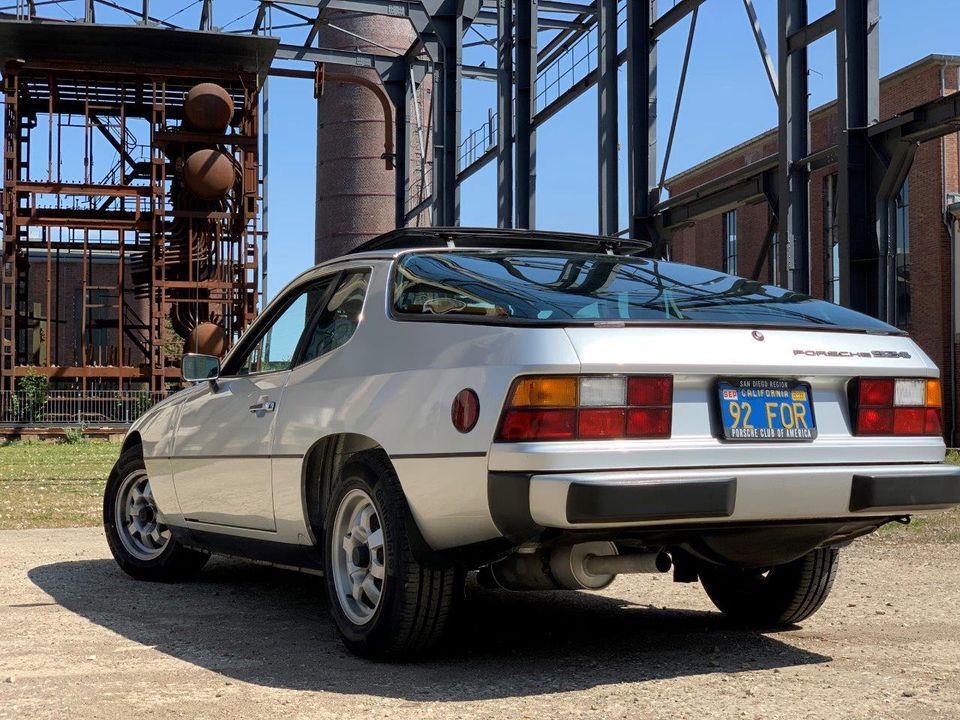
150	552
403	613
784	595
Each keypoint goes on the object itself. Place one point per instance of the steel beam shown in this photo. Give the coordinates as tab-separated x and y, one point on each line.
749	184
505	113
526	145
478	72
672	16
762	46
412	9
399	94
607	125
206	15
861	221
389	67
809	34
551	6
489	18
448	30
794	142
676	106
642	117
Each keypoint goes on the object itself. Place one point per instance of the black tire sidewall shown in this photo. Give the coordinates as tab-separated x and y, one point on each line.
174	562
766	604
375	632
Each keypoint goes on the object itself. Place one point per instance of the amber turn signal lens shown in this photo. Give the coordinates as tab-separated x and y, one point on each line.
544	392
934	395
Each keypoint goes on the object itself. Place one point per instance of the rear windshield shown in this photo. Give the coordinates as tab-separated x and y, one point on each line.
572	288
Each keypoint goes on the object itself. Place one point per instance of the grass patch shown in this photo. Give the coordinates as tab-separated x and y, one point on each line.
53	484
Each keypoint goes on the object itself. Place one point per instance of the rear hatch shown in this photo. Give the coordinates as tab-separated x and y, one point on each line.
699	358
632	316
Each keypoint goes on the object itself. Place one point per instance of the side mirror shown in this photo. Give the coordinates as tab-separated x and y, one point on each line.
197	368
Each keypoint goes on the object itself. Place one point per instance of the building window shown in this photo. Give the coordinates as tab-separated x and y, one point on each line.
730	242
903	255
831	239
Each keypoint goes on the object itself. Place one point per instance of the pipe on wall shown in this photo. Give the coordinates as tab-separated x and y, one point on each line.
321	76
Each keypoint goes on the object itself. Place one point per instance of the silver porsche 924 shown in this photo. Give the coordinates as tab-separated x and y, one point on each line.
550	410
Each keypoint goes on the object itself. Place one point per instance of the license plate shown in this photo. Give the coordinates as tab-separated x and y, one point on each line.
766	409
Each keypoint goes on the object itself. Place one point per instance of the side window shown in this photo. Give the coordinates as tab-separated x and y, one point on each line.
340	318
276	347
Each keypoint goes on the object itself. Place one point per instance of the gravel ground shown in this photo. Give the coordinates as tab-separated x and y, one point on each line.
79	639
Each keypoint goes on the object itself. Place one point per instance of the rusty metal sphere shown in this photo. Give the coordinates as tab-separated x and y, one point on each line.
207	338
208	107
209	174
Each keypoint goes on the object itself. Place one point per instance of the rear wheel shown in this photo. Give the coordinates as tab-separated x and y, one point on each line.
782	595
140	542
385	604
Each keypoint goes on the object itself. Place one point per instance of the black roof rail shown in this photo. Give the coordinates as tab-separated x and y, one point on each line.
513	239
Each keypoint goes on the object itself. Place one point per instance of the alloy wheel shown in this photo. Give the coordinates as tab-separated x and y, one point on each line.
138	521
358	557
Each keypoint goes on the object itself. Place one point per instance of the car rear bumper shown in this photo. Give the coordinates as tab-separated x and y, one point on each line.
522	504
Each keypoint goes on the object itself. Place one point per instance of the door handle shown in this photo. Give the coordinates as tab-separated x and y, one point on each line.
263	406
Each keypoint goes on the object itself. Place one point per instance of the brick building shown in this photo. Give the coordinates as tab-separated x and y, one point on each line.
928	218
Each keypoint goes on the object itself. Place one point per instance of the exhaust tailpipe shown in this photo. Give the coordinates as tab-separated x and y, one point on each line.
585	566
659	562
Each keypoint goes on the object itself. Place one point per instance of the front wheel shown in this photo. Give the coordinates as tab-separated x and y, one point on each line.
140	542
385	604
782	595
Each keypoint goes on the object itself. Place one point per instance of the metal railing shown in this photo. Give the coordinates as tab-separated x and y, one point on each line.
73	407
560	76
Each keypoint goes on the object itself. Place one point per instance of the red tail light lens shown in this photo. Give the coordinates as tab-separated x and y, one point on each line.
591	407
594	423
933	422
521	425
649	422
643	391
898	406
876	392
875	421
908	421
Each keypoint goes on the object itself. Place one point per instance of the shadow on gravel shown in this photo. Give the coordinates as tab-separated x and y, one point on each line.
270	627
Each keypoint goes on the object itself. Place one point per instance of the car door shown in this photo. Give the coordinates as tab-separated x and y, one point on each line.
221	464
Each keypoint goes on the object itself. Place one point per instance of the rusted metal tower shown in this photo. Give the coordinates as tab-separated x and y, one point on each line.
130	200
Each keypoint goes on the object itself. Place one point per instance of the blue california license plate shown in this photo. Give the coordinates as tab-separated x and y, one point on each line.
766	409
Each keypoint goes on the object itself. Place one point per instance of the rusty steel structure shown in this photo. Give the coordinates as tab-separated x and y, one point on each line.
131	197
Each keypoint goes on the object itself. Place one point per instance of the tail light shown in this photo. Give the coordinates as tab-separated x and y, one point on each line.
589	407
898	406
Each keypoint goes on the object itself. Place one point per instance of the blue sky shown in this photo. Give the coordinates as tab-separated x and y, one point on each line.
726	101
